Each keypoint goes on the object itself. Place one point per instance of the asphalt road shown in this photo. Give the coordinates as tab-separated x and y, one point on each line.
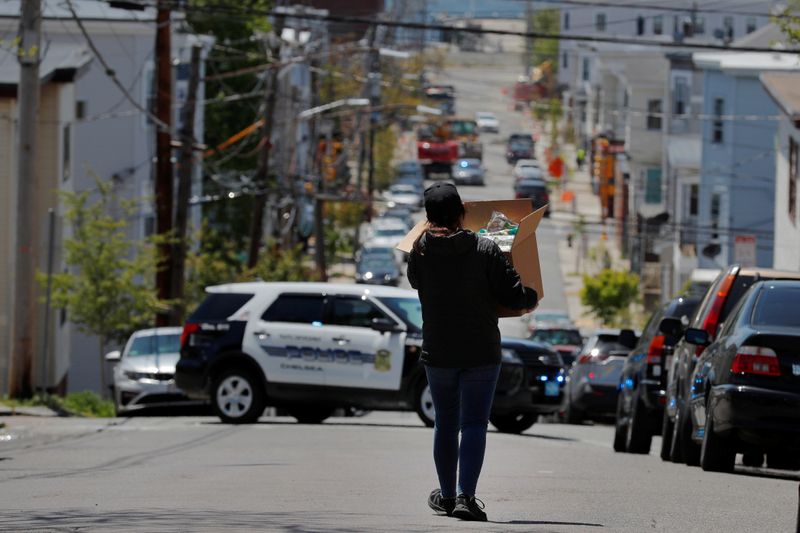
355	474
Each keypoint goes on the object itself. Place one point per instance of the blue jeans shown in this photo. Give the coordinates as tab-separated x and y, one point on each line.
462	398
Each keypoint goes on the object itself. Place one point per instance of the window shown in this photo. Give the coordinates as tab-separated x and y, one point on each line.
727	23
750	25
699	25
566	20
716	200
409	310
694	199
296	308
66	153
654	114
680	96
355	312
793	163
155	344
600	22
717	132
585	69
219	306
80	109
777	306
676	25
652	186
149	225
640	25
658	24
564	60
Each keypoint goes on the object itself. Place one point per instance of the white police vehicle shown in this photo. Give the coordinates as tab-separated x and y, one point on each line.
313	347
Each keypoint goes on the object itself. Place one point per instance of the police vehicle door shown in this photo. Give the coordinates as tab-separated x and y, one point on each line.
288	338
369	358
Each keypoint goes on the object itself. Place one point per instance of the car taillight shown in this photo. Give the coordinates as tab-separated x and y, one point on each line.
188	329
756	360
712	319
656	350
583	359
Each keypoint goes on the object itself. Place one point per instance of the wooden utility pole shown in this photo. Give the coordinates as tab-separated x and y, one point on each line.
528	40
163	181
20	382
185	171
262	174
374	77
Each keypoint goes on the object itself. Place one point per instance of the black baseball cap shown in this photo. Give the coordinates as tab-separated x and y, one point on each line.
443	204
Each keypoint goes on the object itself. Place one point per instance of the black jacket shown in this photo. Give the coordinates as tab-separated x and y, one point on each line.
461	279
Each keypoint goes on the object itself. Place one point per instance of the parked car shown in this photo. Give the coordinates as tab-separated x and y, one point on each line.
469	172
404	194
487	122
377	269
144	376
746	383
409	167
520	146
542	318
714	309
592	382
398	212
527	168
567	341
536	190
643	383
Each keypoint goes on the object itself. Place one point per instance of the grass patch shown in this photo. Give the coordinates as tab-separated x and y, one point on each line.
85	403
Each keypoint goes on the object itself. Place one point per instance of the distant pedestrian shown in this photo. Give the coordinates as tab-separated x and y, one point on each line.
580	158
461	278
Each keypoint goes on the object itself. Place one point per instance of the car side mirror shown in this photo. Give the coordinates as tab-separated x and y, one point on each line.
113	357
671	327
627	338
385	325
698	337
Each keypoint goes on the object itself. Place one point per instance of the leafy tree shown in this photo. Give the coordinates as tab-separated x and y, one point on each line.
275	264
108	289
609	295
217	260
546	21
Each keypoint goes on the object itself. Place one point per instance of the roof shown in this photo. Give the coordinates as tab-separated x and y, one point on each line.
86	10
59	64
769	36
747	61
784	88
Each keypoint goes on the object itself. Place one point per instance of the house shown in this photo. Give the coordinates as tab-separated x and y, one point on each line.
59	70
784	89
108	138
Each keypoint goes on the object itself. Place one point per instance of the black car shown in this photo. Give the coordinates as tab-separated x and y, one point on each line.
520	146
377	270
567	341
746	385
536	190
642	388
531	383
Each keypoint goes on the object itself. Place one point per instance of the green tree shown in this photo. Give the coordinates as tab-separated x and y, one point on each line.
546	21
108	289
276	264
609	295
217	260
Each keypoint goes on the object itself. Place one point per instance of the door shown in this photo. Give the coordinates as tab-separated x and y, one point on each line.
365	358
288	340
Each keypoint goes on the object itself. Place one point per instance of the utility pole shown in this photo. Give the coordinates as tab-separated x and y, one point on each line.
374	78
20	376
262	174
528	56
163	181
185	171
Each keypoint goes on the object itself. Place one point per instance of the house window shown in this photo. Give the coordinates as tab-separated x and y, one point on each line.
750	25
564	60
149	225
66	153
640	25
658	24
652	186
699	25
680	96
676	25
716	201
793	175
694	200
727	23
566	20
600	22
717	132
654	114
585	69
80	109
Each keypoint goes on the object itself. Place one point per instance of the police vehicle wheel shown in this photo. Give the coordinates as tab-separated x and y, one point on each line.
310	414
424	404
516	423
237	397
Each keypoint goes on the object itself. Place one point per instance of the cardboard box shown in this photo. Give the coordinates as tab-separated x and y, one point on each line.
524	253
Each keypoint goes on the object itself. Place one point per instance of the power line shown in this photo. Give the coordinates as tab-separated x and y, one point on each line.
636	5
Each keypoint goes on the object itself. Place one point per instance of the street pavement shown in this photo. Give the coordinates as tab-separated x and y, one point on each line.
371	473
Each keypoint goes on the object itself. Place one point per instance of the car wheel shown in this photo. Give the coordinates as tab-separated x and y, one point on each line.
620	430
689	448
424	404
716	454
516	423
753	459
238	397
666	437
310	414
782	461
675	451
638	437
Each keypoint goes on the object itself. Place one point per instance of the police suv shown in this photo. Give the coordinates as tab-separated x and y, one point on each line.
312	347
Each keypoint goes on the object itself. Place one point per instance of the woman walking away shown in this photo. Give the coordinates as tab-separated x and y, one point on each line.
461	279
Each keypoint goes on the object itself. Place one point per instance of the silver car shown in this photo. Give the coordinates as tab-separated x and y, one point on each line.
145	370
469	172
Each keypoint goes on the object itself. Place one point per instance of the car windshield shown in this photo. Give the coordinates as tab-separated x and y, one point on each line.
469	163
550	317
409	310
403	189
390	232
155	344
777	306
376	263
520	146
532	184
558	336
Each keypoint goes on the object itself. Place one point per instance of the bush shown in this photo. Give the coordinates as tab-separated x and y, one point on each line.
85	403
609	295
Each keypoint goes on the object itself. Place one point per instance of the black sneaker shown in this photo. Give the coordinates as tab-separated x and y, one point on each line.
440	504
469	508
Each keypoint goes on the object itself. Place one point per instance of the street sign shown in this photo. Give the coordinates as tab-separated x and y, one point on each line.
744	250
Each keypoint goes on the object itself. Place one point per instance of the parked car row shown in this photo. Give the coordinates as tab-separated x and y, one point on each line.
719	376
